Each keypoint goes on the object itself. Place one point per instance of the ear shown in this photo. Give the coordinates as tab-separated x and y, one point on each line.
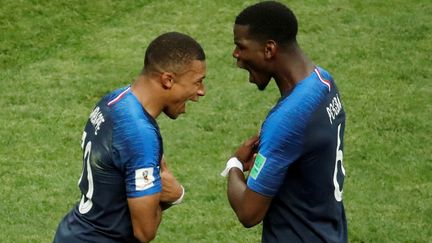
270	49
167	80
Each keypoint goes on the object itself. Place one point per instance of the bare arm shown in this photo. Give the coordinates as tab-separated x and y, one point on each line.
146	211
171	188
146	215
249	206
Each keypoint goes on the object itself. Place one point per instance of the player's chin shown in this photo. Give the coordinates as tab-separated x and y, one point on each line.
174	114
262	83
261	88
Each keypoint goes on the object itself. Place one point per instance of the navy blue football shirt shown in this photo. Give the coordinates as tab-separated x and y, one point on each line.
300	164
122	149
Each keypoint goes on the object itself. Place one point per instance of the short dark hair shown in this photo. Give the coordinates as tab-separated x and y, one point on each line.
171	52
269	20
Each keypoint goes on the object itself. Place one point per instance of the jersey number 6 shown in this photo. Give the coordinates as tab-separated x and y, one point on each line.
339	158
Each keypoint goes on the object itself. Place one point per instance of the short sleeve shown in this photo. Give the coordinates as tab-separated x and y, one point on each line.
138	147
280	145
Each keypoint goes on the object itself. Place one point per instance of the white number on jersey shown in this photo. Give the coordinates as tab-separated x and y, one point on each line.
339	158
86	200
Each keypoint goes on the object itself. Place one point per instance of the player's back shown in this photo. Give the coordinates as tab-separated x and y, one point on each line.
102	215
308	205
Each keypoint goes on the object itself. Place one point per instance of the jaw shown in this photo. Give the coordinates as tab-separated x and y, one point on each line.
174	112
178	110
261	81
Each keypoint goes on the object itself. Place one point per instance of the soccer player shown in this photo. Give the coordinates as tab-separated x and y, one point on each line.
295	165
125	183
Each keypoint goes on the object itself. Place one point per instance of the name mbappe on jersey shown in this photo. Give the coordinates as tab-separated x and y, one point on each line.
96	119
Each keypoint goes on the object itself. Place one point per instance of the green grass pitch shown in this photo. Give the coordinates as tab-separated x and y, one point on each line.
57	58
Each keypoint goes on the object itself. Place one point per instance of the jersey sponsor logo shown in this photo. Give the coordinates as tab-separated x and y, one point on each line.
144	179
258	165
96	119
334	108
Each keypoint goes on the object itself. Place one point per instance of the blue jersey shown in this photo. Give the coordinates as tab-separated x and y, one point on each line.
122	149
299	164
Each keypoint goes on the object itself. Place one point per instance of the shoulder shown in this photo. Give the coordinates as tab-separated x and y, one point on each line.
292	113
128	114
132	124
135	132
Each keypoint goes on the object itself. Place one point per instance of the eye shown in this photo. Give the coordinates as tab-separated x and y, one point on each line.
200	84
240	47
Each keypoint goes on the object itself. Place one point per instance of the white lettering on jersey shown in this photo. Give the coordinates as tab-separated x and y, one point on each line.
96	119
144	179
334	108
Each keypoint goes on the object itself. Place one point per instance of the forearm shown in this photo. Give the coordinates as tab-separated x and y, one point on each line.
146	216
236	187
236	191
249	206
172	191
148	233
166	205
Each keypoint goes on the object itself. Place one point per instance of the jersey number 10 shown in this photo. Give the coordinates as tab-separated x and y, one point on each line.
86	200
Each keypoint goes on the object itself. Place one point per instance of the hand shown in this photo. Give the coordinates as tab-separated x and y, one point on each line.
247	166
246	153
171	188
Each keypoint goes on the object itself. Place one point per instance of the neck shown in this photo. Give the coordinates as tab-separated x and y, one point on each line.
291	67
145	90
